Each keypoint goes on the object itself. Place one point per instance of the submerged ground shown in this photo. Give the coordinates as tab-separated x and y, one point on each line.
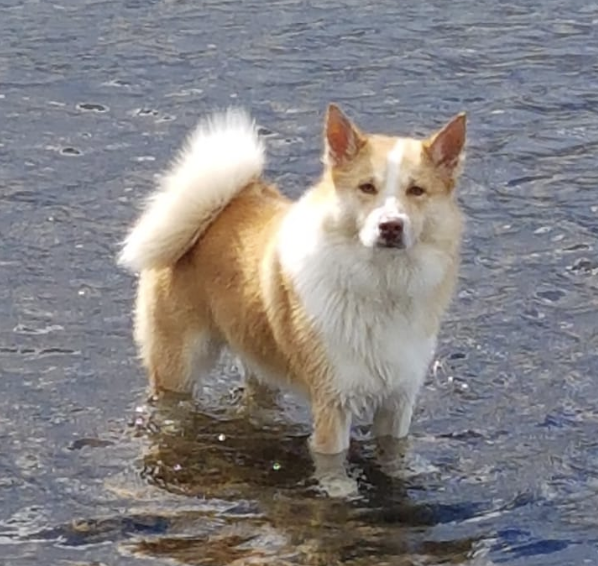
94	98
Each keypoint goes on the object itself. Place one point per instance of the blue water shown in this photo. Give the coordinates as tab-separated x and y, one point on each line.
94	98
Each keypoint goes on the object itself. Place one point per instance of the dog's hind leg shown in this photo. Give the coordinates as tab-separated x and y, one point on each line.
176	361
256	393
175	347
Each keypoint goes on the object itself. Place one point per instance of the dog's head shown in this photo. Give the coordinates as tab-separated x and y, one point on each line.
392	192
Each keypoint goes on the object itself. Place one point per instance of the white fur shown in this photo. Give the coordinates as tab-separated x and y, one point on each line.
220	158
390	207
370	308
394	161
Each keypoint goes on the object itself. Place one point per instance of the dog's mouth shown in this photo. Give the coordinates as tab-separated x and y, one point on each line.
391	244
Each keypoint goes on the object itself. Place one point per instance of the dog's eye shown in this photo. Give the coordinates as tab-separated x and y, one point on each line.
416	191
368	188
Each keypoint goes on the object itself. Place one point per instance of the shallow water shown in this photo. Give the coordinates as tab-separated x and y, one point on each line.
503	459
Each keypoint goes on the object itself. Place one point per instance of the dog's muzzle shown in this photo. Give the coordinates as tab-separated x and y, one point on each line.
392	233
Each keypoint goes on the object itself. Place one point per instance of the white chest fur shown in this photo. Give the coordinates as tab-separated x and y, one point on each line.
371	309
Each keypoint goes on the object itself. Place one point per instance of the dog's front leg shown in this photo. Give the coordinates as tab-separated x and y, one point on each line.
393	417
332	427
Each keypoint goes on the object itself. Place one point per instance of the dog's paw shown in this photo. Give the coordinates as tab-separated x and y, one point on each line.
332	477
338	486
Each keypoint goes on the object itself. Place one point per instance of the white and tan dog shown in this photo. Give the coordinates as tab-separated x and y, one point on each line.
339	295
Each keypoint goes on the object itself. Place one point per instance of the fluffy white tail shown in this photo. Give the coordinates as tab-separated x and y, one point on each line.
220	158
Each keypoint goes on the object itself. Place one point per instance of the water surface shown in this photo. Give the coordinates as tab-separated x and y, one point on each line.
96	95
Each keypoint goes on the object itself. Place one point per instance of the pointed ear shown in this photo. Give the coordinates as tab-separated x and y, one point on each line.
343	138
445	147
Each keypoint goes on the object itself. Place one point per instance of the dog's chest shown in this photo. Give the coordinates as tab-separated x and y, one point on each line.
376	350
378	340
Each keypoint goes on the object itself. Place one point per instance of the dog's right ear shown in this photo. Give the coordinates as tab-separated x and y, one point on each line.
343	138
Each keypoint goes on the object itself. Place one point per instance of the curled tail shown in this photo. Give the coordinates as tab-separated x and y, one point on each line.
221	157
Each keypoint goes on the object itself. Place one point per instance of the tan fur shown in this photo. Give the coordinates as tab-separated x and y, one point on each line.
230	288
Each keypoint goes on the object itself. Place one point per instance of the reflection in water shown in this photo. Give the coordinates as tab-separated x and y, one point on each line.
277	511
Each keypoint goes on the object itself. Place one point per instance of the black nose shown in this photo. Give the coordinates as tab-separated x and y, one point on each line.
391	230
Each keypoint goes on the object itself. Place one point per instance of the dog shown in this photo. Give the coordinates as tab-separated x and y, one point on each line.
338	295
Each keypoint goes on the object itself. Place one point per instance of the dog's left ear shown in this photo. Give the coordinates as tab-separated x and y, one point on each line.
343	138
445	147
